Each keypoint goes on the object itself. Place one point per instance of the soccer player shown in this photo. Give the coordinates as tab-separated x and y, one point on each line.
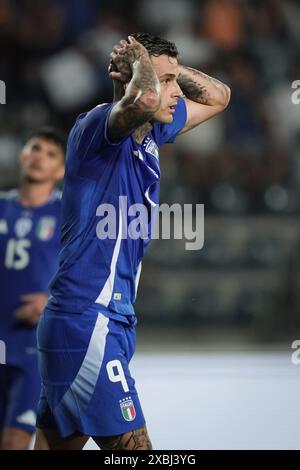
29	246
86	335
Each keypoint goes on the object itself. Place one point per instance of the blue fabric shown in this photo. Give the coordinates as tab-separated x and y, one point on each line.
79	394
29	246
19	394
97	173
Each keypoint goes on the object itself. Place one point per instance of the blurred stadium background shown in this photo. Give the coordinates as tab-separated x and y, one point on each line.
241	291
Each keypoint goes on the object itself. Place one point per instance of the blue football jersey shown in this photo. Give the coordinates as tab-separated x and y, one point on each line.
29	247
103	182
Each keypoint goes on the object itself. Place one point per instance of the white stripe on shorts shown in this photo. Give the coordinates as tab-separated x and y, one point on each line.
83	386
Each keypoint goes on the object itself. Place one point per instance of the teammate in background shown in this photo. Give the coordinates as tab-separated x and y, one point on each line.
86	335
29	246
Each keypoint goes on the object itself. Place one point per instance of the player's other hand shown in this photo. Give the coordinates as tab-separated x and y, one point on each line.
123	75
32	308
123	56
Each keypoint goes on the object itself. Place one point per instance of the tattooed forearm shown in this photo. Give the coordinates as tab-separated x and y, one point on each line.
144	77
127	122
199	87
140	102
189	83
131	114
142	95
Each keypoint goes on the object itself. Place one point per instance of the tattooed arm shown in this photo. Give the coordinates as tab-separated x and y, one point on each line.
205	96
142	89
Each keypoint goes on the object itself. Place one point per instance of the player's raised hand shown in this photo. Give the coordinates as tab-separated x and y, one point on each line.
32	308
123	75
123	56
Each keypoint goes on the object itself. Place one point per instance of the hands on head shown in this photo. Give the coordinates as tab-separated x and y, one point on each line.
123	57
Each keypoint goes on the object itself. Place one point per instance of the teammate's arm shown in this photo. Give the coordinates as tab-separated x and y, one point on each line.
205	96
142	96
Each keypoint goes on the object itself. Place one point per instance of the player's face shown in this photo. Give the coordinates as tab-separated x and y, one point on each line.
167	71
42	161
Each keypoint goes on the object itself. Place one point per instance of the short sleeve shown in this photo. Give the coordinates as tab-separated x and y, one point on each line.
169	132
90	131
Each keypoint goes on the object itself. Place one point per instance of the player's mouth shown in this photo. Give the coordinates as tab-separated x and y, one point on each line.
35	168
172	108
34	165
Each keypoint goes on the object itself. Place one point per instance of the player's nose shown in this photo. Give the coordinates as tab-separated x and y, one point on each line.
176	90
38	154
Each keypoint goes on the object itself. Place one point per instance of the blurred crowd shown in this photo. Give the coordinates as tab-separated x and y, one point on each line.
244	164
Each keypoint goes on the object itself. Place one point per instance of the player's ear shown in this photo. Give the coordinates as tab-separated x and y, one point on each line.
22	156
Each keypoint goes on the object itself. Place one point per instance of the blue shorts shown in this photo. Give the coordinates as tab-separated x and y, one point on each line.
20	388
86	383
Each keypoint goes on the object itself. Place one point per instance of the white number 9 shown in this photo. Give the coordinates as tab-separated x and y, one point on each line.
119	376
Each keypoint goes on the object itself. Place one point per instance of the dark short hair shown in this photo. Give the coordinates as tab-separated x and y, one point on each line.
49	133
155	45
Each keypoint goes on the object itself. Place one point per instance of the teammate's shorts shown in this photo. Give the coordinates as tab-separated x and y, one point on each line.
86	383
20	388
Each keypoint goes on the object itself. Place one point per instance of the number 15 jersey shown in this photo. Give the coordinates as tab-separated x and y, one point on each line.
29	246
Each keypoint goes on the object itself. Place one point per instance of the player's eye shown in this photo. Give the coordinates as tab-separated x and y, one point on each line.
35	147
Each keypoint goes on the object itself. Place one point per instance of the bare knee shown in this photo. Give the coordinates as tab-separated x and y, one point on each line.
132	440
50	439
15	439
